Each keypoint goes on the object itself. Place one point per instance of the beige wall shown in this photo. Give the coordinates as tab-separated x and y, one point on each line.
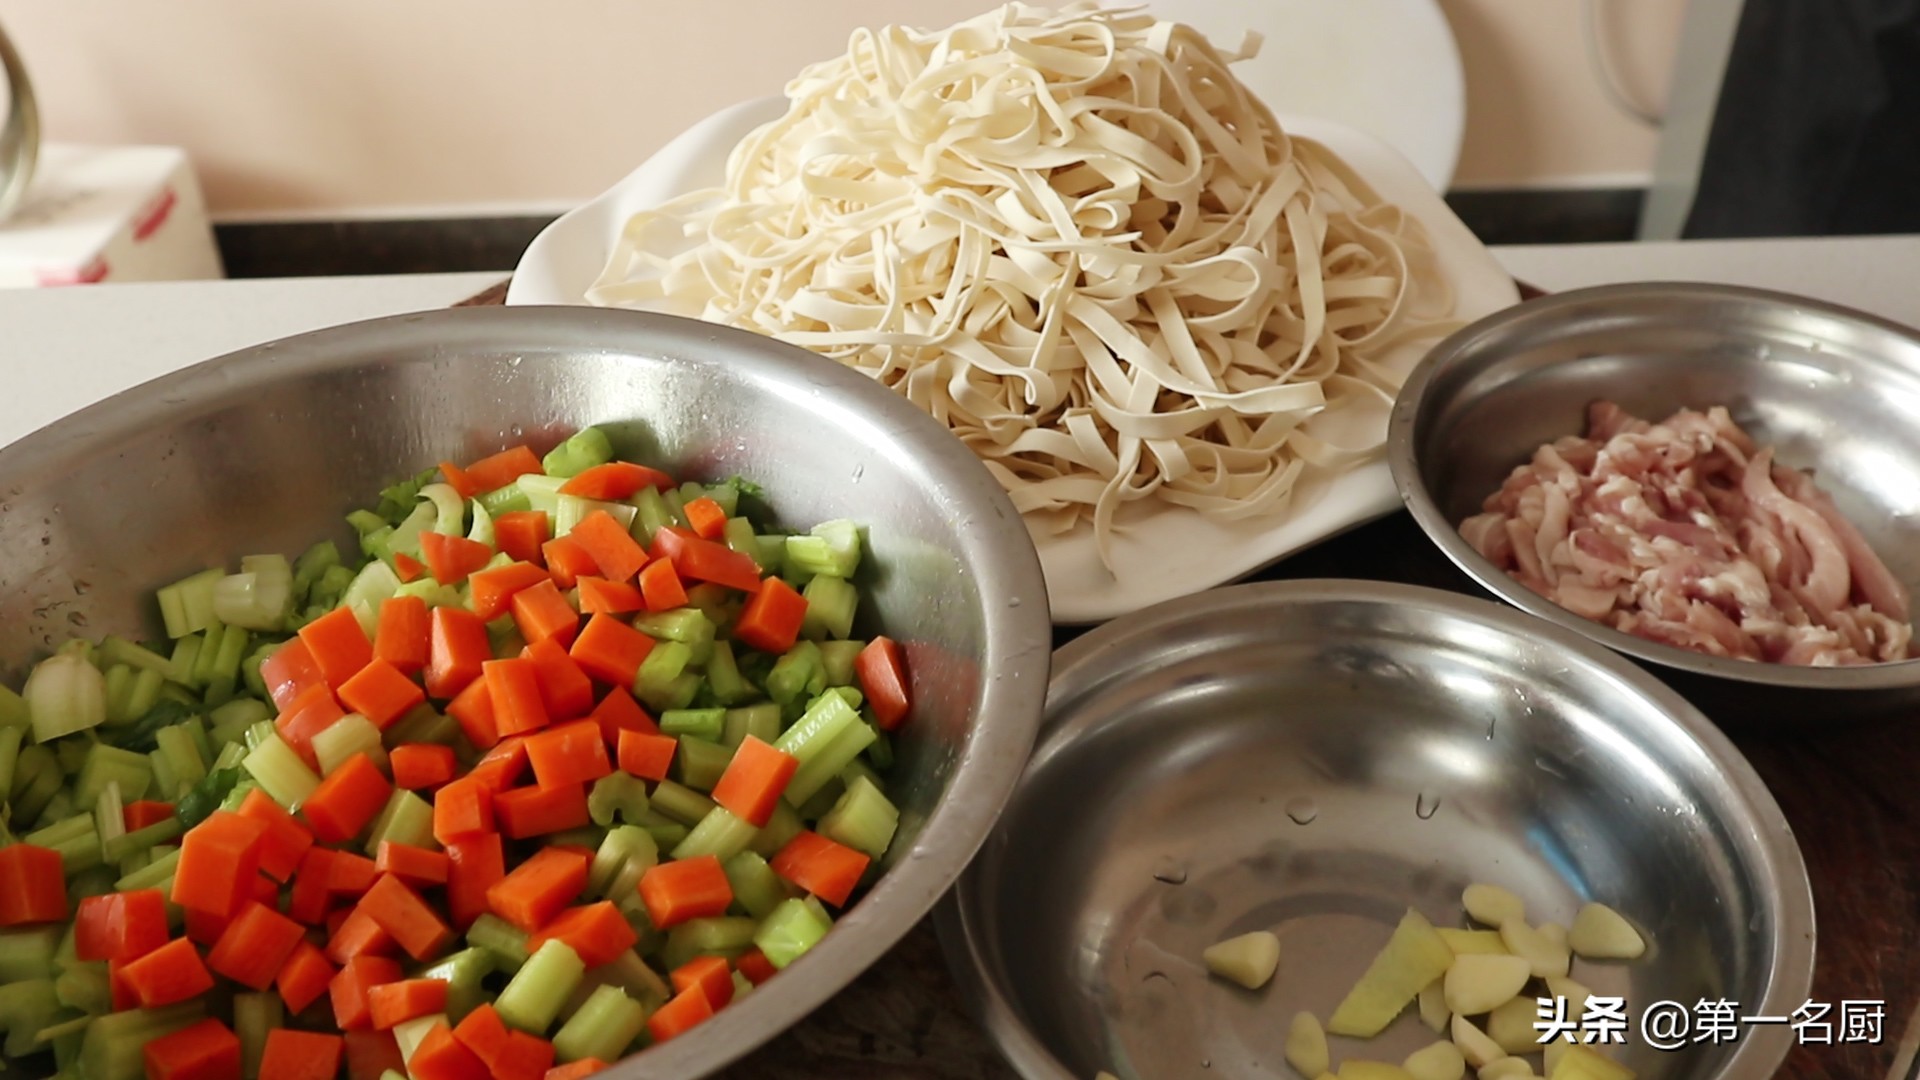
371	106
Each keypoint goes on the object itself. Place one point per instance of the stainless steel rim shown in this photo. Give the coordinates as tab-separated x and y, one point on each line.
20	137
1403	438
1777	855
1016	655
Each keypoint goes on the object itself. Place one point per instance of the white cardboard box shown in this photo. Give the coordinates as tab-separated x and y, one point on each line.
108	213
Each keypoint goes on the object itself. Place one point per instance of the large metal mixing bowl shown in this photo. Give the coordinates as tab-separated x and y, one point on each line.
265	449
1314	757
1834	390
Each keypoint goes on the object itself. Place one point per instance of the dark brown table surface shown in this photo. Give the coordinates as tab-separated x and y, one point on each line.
1850	791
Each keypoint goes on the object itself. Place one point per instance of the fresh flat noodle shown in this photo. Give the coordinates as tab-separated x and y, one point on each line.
1079	242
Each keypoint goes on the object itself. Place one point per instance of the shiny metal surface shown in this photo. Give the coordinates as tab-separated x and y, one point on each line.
20	133
265	449
1836	391
1312	758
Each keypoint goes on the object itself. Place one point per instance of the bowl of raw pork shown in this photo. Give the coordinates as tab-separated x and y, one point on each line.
1722	483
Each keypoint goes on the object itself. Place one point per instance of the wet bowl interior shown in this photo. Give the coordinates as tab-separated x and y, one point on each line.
1315	757
1834	391
267	449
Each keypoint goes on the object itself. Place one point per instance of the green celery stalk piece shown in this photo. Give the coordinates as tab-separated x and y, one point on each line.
708	724
628	850
617	794
463	972
602	1028
13	709
782	827
27	952
789	931
152	876
863	819
280	772
825	763
679	803
700	763
725	935
85	987
831	602
719	834
11	739
756	888
254	1015
798	675
504	942
112	1047
687	625
25	1008
532	998
406	819
581	451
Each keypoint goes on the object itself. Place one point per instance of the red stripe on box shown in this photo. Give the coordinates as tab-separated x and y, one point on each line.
155	215
92	272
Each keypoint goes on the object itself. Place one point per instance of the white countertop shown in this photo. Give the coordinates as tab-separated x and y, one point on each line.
63	349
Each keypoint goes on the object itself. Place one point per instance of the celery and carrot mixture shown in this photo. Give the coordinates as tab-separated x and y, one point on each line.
571	757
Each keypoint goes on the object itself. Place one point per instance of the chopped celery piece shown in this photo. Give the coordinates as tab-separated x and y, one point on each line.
25	1008
719	834
119	650
313	562
481	531
326	591
570	510
631	973
65	829
617	793
831	547
72	754
864	819
259	596
824	720
341	740
602	1028
13	709
94	881
106	765
185	660
772	554
110	816
449	509
651	514
666	832
504	635
10	742
681	804
533	996
582	451
586	836
405	537
238	796
281	773
627	852
206	796
406	819
208	661
698	762
399	498
142	839
186	606
504	942
830	605
424	725
756	888
541	493
463	972
727	935
431	591
825	762
119	684
85	987
506	500
724	679
151	876
738	535
836	660
409	1034
183	756
783	826
253	1016
232	754
112	1048
372	586
223	675
658	681
37	778
65	694
690	626
699	723
796	676
761	721
881	752
231	721
789	931
28	953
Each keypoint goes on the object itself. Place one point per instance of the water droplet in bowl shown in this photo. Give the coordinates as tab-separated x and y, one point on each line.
1425	806
1302	811
1170	871
1013	601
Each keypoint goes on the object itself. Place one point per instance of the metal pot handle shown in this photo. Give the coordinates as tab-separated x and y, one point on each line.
20	137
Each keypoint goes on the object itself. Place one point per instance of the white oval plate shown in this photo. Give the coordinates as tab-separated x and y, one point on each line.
1164	551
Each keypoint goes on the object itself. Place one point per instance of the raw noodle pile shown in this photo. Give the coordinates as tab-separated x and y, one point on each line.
1074	238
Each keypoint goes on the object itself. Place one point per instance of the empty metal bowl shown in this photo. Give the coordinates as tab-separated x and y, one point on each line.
1314	757
266	449
1834	390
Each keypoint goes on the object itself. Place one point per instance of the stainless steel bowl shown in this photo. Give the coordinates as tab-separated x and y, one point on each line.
1834	390
1314	757
265	449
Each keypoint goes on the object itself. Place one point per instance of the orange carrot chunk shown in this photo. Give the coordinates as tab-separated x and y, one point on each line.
771	619
120	926
568	561
826	869
313	712
208	1050
33	888
440	1056
289	671
397	1002
525	1057
500	767
708	974
615	481
536	811
419	766
301	1055
381	693
472	709
255	945
457	647
514	686
348	990
597	933
168	975
347	801
541	613
537	889
492	590
883	679
338	644
576	1070
521	533
219	859
144	812
285	843
704	560
304	976
357	935
599	596
416	866
407	568
618	555
709	521
618	712
483	1032
565	690
474	865
404	634
688	1009
451	558
751	786
755	966
660	587
403	914
461	810
497	471
574	753
611	650
683	889
646	756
